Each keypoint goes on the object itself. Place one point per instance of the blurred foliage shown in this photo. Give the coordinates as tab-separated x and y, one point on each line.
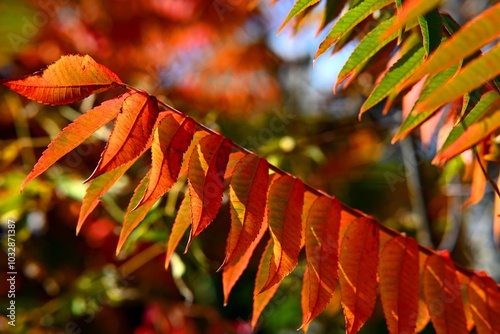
213	61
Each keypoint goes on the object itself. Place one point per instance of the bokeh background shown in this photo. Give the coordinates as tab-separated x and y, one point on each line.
221	62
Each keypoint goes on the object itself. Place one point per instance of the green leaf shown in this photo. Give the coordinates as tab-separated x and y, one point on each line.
134	217
430	26
415	119
470	38
399	72
332	10
484	106
473	75
368	47
411	11
348	21
298	8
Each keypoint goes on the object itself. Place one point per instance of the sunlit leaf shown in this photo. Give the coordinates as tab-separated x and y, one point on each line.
284	204
132	131
181	223
348	21
261	299
401	70
358	272
248	194
69	79
484	300
171	139
399	284
443	295
411	11
322	237
298	8
75	134
206	180
469	39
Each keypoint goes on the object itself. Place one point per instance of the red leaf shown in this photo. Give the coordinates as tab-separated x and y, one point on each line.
322	237
75	134
198	135
234	158
284	209
69	79
247	194
309	199
131	133
206	180
181	224
399	284
234	268
171	139
134	217
261	299
443	295
484	301
97	188
358	272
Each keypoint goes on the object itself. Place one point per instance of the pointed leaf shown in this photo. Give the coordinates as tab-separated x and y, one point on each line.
181	224
96	189
206	180
413	120
322	237
477	33
75	134
133	129
348	21
171	140
399	284
198	135
472	135
298	8
234	268
478	185
430	26
358	272
411	11
261	299
473	75
443	295
69	79
285	201
487	101
484	300
247	196
365	50
134	217
332	9
401	70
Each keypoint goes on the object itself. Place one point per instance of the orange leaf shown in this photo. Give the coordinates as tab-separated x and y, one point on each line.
247	194
198	135
358	272
206	180
481	129
322	237
399	284
443	295
284	209
309	199
75	134
181	224
171	139
134	217
484	300
261	299
131	133
69	79
97	188
234	158
234	268
478	184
